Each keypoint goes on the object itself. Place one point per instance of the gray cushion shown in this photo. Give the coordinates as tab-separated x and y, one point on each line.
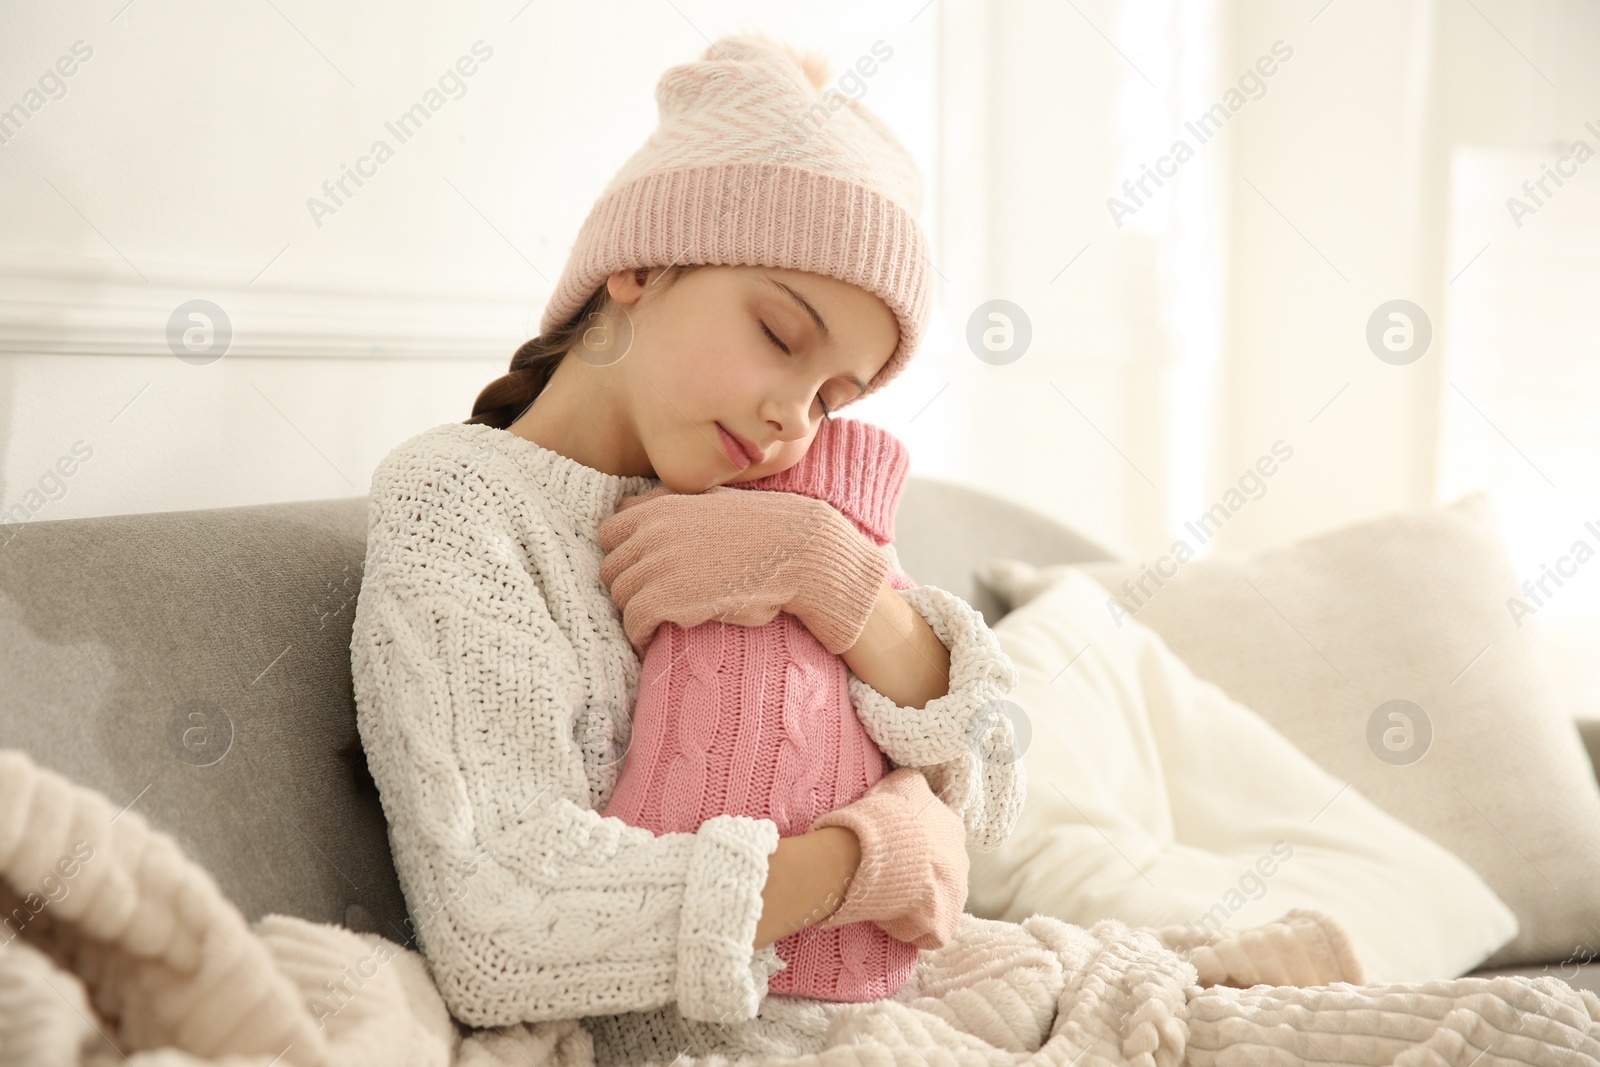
944	531
196	665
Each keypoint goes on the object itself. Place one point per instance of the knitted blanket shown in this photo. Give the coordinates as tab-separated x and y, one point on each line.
117	949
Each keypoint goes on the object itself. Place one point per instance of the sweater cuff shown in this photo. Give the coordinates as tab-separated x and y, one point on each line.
721	977
964	742
981	675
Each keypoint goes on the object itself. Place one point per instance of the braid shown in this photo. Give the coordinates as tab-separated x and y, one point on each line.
503	400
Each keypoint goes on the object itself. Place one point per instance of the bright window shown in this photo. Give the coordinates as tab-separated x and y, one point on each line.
1521	405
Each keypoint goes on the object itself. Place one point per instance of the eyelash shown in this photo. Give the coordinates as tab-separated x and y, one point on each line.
784	348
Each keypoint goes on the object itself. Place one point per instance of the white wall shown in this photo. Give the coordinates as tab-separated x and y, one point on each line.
1354	154
176	161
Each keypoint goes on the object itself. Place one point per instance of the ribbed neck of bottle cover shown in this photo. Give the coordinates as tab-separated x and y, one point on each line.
857	467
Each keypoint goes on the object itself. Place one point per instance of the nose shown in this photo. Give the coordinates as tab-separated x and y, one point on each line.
789	417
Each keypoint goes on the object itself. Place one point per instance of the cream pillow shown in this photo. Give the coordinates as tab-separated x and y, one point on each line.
1155	798
1388	652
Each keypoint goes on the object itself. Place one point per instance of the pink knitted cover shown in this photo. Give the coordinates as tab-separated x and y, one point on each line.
758	721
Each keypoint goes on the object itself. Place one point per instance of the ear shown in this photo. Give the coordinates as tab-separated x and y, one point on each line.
624	285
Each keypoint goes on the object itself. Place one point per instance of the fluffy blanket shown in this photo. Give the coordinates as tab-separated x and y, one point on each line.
117	949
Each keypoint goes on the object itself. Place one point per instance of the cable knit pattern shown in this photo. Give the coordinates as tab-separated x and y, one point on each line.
493	684
771	734
758	721
164	954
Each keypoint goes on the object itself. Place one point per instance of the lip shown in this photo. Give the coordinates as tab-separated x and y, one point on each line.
740	451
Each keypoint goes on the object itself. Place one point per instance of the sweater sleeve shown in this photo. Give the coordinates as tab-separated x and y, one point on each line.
527	904
965	741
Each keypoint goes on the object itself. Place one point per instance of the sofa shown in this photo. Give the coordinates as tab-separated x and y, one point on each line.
195	665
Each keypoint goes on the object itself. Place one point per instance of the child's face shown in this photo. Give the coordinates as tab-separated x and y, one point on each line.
699	358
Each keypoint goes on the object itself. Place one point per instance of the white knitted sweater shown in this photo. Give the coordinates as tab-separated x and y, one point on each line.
494	687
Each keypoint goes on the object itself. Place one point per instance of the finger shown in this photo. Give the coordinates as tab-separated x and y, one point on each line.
631	615
611	568
621	571
617	529
913	930
640	620
640	634
651	575
626	585
639	498
623	555
654	605
630	626
622	523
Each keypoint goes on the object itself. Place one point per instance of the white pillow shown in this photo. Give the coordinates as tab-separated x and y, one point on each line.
1406	671
1155	798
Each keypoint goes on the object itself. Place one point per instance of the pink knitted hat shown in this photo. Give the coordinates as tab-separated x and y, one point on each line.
753	164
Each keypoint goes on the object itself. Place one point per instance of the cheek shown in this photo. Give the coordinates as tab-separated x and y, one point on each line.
702	377
725	380
683	375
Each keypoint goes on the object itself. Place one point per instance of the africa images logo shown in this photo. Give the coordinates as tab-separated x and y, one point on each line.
1202	128
410	122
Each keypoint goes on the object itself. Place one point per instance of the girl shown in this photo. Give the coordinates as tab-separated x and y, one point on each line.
493	676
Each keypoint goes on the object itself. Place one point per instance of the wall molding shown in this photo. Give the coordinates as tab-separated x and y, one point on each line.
102	307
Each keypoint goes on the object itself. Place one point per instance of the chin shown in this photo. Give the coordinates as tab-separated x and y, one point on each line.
678	485
697	478
682	481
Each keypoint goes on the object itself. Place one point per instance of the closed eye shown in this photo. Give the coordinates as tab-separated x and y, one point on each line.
774	338
826	411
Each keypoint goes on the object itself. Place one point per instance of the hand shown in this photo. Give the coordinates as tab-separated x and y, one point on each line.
739	556
912	879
